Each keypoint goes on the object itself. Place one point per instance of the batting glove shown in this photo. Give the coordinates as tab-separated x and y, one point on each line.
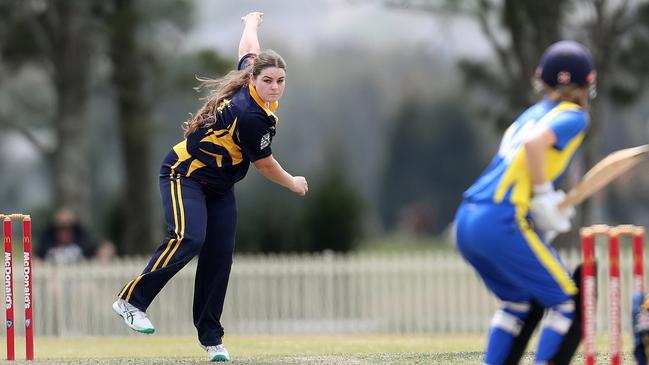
545	211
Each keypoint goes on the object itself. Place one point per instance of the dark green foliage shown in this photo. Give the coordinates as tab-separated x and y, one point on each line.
19	43
476	73
203	64
268	219
213	62
629	80
177	12
273	219
333	216
435	153
531	26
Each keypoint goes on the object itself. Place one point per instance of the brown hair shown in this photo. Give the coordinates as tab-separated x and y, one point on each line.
225	87
572	93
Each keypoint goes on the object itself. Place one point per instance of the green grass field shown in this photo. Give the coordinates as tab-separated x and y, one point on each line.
132	350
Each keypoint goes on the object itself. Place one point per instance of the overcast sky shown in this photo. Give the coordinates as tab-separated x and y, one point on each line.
317	23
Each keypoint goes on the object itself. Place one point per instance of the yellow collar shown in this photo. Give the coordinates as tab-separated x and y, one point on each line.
270	110
569	104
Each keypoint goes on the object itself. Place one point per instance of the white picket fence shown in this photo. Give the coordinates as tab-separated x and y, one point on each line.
395	293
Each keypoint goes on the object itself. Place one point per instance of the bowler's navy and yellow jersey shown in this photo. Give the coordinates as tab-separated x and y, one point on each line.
219	155
507	178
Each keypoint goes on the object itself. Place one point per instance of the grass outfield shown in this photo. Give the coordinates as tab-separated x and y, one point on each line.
131	350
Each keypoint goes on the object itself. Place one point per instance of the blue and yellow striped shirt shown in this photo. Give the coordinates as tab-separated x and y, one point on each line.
507	178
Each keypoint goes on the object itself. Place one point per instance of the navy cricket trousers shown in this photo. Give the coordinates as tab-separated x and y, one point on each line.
198	224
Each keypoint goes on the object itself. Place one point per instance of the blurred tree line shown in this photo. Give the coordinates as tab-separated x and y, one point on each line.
518	31
421	198
94	86
121	48
331	218
69	42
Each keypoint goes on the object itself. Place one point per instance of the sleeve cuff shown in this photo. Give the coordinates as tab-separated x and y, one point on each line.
246	60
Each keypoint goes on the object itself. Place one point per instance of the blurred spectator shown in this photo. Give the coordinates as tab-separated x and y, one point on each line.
418	219
106	251
65	240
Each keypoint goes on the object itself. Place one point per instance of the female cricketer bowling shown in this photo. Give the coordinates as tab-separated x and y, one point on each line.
511	212
233	128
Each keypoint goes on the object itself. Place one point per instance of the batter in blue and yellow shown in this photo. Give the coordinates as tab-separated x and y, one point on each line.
508	214
234	127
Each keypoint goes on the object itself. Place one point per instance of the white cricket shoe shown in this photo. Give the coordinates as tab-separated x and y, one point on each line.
134	318
217	353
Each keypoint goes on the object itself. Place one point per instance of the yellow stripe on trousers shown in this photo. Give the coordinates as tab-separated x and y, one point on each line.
182	224
554	267
171	241
125	287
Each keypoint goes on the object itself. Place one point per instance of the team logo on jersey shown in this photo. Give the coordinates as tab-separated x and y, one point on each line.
265	141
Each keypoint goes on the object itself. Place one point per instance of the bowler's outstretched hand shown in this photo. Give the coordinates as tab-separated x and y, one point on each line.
254	18
300	186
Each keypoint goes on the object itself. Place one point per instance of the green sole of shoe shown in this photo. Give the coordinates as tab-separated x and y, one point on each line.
219	358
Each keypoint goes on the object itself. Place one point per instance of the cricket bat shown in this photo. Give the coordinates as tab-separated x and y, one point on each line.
604	172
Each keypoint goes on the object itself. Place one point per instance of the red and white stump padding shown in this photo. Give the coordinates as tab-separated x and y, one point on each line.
589	284
27	284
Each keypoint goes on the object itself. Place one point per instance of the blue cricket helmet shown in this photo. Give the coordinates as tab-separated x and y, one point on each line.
566	62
